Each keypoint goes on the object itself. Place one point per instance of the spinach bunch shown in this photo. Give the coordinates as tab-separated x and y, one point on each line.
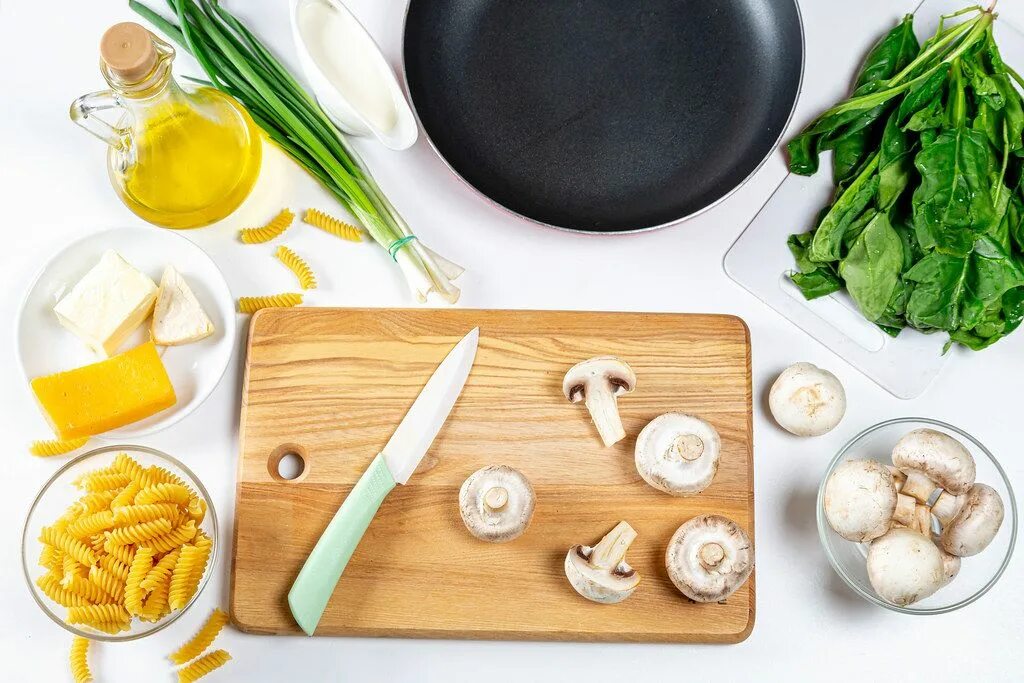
926	226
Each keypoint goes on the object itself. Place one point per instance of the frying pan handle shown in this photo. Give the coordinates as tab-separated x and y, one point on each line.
315	583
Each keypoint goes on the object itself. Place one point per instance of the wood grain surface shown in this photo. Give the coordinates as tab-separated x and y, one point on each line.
332	385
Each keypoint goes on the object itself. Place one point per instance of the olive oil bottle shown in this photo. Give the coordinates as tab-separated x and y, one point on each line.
177	157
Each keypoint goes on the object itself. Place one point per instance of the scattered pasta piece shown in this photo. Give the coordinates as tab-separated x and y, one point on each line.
251	304
201	640
202	666
114	553
328	223
80	661
45	449
275	228
296	264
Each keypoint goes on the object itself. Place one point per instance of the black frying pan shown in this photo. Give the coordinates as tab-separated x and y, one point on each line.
604	115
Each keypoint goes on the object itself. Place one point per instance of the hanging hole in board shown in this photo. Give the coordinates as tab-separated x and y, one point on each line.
288	463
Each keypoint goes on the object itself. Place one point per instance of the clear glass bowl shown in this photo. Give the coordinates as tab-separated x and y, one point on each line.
55	497
977	574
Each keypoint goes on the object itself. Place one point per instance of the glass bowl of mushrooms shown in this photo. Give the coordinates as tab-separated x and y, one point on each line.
917	516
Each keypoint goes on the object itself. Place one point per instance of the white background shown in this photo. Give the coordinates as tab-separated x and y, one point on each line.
809	625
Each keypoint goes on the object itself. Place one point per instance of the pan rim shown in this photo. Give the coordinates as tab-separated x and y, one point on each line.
627	231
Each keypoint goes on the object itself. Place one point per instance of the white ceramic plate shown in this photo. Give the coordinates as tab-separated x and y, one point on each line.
44	346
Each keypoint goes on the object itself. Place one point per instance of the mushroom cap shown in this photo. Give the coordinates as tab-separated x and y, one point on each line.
976	524
600	368
709	558
496	503
806	400
950	567
937	455
904	566
678	454
860	500
600	573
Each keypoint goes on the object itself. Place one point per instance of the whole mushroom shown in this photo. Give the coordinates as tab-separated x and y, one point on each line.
709	558
599	382
975	524
678	454
496	503
905	566
600	573
932	460
806	400
860	500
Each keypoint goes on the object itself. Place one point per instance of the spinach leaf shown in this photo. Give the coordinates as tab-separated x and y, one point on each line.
855	228
828	238
932	115
923	93
894	51
953	204
895	163
815	280
872	268
1013	113
939	281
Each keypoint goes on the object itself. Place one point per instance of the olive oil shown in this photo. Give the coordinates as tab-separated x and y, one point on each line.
193	165
178	158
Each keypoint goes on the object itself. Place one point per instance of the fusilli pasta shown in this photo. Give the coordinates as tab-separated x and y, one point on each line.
46	448
202	666
113	553
251	304
332	225
202	639
275	228
296	264
80	660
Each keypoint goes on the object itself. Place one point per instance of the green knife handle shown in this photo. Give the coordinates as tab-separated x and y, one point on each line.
315	583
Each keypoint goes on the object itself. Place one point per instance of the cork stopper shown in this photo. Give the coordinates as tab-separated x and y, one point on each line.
128	51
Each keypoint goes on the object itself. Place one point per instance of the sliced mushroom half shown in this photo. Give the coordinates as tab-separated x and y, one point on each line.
678	454
599	382
600	573
709	558
496	503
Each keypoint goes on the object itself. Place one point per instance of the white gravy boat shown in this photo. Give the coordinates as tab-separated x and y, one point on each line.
349	75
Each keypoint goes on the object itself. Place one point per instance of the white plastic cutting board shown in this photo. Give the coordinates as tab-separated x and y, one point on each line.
760	260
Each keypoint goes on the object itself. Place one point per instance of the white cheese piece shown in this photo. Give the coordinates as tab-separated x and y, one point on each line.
107	304
179	318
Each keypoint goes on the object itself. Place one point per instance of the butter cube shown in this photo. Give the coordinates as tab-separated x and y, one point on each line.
107	304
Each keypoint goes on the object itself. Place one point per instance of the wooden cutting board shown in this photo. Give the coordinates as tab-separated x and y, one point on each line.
332	384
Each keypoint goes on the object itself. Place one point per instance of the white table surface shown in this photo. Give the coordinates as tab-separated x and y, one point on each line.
808	626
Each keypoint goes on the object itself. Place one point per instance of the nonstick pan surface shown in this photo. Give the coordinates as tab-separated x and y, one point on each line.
604	115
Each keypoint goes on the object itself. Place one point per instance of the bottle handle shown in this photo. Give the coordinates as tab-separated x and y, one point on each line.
83	112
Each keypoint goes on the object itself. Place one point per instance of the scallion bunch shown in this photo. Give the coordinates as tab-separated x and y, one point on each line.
237	62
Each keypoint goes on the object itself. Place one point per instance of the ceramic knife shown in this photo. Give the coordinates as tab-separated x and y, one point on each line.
315	583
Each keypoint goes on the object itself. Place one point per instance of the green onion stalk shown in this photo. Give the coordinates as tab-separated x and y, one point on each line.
238	63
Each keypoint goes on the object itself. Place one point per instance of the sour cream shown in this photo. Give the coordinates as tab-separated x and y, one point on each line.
348	58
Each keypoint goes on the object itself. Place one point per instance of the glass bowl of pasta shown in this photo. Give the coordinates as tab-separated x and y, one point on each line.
119	543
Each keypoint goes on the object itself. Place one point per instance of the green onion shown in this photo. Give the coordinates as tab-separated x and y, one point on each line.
237	63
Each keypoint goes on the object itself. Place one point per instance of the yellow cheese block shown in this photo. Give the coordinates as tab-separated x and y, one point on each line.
96	398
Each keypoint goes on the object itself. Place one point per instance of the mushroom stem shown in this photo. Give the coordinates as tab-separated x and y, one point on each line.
611	549
688	447
904	513
711	555
947	506
496	498
918	485
604	410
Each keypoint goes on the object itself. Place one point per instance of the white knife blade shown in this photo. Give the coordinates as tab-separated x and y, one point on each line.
429	411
